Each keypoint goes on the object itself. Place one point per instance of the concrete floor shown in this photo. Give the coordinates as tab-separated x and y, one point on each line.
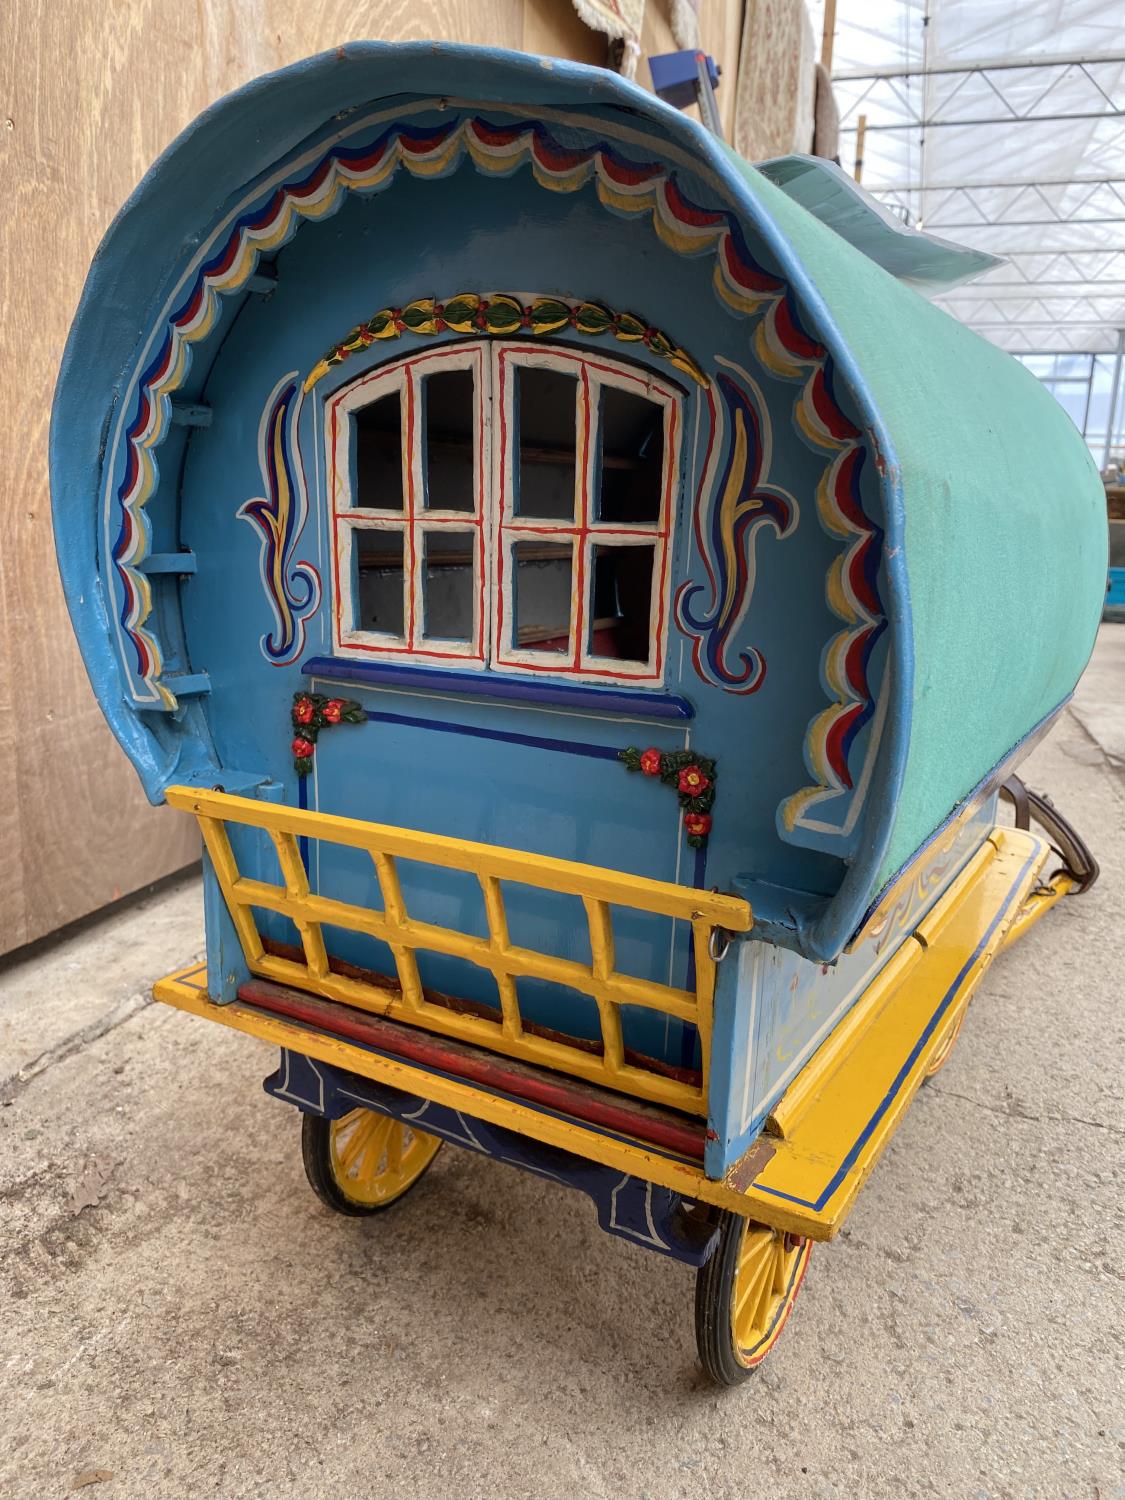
181	1317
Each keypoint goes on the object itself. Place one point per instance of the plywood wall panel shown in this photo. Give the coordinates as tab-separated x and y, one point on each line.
13	909
721	35
91	91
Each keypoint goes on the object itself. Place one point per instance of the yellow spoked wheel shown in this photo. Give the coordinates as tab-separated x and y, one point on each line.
744	1294
941	1056
363	1162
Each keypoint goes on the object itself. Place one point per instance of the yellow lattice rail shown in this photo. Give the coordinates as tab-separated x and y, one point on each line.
599	889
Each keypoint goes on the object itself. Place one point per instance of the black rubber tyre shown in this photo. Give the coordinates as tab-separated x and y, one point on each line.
748	1256
317	1156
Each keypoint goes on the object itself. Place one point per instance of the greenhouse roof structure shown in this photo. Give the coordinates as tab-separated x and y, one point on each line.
1002	127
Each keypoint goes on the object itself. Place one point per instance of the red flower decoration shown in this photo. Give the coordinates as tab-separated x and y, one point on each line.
692	781
332	710
302	748
690	773
302	711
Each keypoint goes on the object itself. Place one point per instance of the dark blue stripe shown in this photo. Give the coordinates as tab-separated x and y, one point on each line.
900	1077
303	802
636	703
533	741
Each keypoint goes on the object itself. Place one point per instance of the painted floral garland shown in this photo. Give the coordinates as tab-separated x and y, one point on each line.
691	774
312	712
504	316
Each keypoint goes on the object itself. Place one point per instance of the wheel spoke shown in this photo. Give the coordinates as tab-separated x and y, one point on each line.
350	1135
755	1248
744	1296
371	1166
782	1265
355	1158
374	1159
394	1148
760	1276
768	1293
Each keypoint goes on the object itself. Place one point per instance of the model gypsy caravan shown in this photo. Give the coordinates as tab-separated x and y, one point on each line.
581	586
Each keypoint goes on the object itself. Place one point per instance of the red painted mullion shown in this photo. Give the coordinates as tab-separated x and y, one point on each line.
500	552
335	532
483	460
666	523
410	506
583	524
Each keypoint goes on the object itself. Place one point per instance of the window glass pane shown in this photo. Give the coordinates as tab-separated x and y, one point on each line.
1071	366
1072	399
541	574
378	454
632	458
378	563
449	584
622	598
449	414
546	406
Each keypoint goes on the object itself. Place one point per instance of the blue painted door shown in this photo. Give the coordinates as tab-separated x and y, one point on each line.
548	783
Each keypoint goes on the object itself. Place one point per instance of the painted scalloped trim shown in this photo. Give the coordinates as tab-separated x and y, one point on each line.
622	185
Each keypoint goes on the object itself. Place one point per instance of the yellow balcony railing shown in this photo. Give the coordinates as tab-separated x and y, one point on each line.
599	889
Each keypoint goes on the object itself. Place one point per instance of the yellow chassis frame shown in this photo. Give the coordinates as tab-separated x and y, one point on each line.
826	1133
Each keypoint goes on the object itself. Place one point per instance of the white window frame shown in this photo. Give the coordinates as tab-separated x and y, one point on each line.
498	528
413	521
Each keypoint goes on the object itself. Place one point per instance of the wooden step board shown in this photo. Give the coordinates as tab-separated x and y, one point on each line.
667	1129
822	1139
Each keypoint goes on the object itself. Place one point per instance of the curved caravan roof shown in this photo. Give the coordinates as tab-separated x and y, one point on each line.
961	506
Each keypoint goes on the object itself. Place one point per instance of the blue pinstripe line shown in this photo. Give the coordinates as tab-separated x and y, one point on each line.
900	1077
303	804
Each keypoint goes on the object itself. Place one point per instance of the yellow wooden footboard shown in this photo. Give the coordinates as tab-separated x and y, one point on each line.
598	889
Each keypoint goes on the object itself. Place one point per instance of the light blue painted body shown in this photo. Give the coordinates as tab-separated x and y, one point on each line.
451	760
781	1006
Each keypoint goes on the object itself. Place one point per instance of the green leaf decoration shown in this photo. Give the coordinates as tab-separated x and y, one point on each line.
549	314
505	315
460	312
593	319
419	316
630	327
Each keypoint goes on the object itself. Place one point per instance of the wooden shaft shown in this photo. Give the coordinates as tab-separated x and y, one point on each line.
860	134
829	36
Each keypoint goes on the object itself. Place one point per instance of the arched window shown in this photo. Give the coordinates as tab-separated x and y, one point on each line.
508	506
